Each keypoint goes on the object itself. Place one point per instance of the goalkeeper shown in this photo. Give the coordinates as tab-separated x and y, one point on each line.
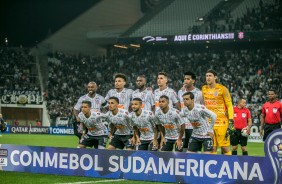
217	99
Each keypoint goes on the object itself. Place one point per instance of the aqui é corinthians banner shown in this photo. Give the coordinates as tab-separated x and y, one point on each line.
149	166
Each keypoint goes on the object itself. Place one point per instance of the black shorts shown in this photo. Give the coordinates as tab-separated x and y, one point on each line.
237	138
146	145
75	125
268	128
121	141
195	144
188	133
170	144
90	141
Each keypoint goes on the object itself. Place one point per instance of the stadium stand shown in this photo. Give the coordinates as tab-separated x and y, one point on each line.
186	16
249	15
175	18
18	70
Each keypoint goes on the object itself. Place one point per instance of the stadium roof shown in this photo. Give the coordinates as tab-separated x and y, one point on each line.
26	22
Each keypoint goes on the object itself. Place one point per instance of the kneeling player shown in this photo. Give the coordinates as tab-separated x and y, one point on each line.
173	124
97	131
120	126
202	130
145	122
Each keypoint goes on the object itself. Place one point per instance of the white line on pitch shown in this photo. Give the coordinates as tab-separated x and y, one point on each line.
100	181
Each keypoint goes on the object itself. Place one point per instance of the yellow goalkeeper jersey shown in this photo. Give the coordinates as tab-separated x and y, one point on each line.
219	101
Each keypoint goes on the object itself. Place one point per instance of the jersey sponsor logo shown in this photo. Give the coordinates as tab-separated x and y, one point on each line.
119	126
120	106
144	130
169	126
195	124
91	128
210	103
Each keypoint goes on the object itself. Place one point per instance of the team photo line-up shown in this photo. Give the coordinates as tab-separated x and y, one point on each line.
191	120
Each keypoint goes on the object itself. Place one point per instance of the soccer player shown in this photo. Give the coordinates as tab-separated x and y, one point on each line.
242	119
189	81
144	94
97	102
120	126
271	114
217	99
92	121
198	115
123	94
165	90
3	126
174	126
144	122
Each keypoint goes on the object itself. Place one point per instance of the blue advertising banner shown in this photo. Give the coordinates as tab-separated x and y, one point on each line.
39	130
61	131
149	166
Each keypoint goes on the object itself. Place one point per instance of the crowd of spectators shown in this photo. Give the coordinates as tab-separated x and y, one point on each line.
267	16
246	73
18	70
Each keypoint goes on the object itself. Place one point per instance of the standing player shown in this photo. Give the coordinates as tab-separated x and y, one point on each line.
189	81
144	94
242	119
165	90
174	126
97	101
144	122
217	99
271	115
120	126
92	121
123	94
198	115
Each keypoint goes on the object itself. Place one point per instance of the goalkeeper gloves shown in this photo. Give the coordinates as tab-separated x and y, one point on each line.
230	130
